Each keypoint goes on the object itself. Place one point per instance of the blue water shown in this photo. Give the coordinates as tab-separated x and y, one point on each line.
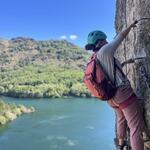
60	124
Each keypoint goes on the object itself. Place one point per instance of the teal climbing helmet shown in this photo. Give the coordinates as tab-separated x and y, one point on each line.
93	37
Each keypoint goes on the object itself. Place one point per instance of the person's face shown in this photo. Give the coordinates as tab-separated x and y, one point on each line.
101	43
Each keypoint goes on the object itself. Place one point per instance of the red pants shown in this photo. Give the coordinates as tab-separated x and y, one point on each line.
129	113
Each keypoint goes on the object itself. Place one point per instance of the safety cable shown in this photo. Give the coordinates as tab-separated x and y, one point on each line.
144	18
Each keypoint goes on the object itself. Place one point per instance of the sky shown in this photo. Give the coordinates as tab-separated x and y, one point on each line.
70	20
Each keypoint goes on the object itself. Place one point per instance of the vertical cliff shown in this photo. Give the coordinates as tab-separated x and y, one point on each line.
138	40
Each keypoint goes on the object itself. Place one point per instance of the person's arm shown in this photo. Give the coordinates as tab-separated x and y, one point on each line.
111	47
131	60
127	30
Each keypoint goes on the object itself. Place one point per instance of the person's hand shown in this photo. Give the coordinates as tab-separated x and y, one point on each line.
134	24
127	30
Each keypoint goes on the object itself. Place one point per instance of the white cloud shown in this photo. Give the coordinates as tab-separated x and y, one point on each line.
63	37
73	37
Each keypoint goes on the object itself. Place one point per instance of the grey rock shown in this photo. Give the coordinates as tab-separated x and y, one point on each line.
127	11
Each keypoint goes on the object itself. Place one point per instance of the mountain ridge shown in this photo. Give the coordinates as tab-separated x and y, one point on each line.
21	51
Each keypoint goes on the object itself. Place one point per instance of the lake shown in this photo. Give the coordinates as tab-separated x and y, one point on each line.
60	124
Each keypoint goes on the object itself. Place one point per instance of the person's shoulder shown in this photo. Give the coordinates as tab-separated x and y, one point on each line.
104	50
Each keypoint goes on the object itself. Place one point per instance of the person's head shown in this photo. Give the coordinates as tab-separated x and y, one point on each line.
96	39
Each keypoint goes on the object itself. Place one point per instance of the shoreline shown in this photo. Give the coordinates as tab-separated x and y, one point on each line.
45	97
11	111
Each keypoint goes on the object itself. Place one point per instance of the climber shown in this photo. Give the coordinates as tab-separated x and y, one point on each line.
124	102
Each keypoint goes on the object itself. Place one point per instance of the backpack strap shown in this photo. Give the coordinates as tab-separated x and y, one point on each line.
116	66
94	68
93	58
114	71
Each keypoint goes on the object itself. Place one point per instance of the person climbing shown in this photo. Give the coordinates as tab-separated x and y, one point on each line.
125	101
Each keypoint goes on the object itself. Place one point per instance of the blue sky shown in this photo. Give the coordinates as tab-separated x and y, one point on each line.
56	19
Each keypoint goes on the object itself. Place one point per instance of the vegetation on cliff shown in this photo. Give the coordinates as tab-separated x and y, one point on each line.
9	112
43	81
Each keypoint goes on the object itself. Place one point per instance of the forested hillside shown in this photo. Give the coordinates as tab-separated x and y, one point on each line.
31	68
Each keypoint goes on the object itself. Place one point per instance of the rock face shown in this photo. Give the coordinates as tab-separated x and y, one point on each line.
127	11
